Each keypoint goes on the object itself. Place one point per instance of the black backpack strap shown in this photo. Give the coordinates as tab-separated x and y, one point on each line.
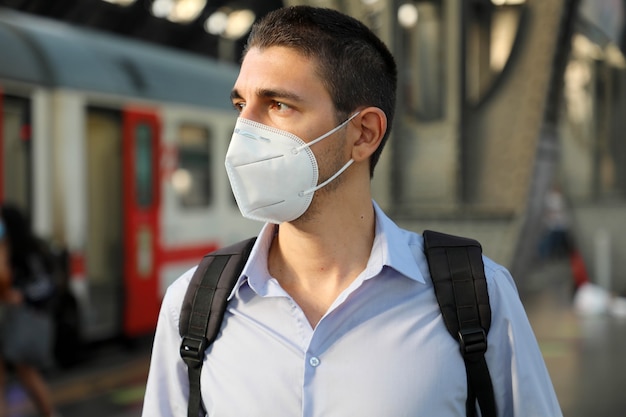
203	309
458	275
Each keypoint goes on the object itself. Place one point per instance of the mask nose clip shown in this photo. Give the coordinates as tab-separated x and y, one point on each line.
251	135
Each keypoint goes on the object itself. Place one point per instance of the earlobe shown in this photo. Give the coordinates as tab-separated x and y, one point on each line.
372	125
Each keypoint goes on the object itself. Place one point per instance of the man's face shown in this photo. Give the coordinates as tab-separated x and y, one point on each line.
278	87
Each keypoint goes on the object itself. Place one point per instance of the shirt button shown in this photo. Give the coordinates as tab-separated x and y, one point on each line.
314	361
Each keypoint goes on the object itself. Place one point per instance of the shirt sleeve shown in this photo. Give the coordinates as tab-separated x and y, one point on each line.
167	389
521	382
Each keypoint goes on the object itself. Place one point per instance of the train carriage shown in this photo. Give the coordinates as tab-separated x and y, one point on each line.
115	148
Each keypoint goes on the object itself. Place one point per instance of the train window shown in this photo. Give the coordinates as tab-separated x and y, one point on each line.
16	153
491	31
420	63
143	165
191	180
594	152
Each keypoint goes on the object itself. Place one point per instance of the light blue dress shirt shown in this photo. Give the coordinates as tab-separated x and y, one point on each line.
381	350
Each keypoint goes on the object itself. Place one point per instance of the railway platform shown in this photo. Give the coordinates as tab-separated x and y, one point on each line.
585	355
585	352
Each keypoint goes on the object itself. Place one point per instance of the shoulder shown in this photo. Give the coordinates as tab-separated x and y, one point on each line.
175	293
499	278
504	298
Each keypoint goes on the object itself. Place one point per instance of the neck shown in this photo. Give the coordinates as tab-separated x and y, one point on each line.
316	259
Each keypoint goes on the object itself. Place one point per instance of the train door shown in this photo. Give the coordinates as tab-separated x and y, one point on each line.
15	157
104	255
141	201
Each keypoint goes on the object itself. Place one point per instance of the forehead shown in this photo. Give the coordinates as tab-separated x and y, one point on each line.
276	55
278	67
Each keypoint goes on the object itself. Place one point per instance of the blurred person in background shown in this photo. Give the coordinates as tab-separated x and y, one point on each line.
25	290
556	242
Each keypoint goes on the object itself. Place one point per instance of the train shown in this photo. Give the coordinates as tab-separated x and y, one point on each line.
116	146
115	149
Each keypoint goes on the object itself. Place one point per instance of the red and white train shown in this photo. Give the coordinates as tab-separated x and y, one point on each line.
115	148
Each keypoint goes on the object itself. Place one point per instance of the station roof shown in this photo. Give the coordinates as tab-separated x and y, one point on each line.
180	24
56	54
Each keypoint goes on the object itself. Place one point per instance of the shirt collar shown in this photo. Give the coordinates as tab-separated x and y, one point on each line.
255	272
393	247
396	248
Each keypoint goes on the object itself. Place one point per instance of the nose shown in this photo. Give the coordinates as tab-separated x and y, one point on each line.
247	113
251	110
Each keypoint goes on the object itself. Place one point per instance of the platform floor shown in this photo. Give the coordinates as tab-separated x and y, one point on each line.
585	353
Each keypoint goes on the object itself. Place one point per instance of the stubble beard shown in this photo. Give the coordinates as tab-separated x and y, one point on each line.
335	162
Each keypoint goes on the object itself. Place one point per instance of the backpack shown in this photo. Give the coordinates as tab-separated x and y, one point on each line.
457	272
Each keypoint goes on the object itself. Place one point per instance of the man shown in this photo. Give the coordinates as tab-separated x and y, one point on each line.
334	314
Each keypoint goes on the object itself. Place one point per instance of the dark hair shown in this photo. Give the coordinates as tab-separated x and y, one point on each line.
355	66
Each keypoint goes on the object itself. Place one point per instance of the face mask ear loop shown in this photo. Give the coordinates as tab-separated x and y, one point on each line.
325	135
338	173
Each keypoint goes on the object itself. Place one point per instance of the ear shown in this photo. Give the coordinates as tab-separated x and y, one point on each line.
371	125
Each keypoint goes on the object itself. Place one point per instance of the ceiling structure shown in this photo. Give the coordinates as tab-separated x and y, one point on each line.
215	28
198	26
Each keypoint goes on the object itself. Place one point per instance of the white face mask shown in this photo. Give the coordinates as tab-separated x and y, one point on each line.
273	173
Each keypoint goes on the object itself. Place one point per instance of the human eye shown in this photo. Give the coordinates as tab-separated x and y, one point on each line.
239	106
280	106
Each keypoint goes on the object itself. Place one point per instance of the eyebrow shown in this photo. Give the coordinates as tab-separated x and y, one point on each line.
270	93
